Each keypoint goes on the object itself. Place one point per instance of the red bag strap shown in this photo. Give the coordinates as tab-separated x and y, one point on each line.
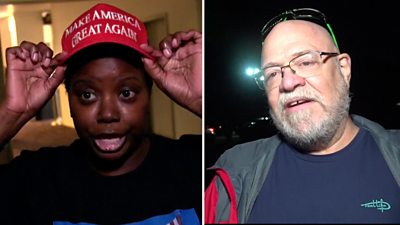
210	202
211	198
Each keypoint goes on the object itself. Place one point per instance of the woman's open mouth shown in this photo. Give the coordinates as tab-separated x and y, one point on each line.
109	144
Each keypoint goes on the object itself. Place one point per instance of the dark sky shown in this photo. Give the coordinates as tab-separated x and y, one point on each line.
369	32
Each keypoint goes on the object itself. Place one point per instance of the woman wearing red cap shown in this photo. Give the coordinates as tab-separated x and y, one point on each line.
117	172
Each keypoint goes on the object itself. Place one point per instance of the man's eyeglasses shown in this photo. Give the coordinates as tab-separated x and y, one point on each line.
307	14
305	65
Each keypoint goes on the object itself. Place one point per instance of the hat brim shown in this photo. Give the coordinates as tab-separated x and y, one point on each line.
71	54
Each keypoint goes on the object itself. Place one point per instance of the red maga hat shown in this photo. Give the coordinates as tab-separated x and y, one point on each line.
104	23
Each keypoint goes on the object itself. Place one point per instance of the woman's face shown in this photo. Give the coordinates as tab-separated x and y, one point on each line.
110	103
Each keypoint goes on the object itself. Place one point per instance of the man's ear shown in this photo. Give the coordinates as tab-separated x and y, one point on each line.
345	67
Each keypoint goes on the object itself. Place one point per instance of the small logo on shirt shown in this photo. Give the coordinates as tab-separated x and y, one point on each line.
378	204
176	221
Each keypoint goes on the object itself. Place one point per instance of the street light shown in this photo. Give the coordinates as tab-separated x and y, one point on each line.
251	71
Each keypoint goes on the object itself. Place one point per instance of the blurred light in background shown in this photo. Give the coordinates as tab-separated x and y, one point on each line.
250	71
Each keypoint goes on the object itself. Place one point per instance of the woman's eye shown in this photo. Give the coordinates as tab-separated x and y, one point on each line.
127	94
87	96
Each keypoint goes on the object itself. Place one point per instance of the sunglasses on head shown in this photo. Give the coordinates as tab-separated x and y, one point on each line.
307	14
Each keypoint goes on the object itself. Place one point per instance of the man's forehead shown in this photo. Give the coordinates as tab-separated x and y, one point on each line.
296	35
298	27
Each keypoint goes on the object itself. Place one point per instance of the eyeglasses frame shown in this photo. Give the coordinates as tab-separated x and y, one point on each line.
261	73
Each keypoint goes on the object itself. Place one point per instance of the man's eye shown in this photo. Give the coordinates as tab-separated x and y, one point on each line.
307	63
127	94
272	74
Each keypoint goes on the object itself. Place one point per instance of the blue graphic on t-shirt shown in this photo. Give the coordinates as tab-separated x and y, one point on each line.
177	217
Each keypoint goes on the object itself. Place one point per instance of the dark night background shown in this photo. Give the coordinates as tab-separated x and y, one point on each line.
368	32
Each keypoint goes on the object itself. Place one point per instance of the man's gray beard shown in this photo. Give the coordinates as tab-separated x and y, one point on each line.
313	135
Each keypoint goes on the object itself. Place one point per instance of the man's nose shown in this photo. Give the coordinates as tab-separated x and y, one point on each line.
290	80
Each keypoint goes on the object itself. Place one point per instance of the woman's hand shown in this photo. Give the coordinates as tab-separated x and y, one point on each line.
33	76
177	70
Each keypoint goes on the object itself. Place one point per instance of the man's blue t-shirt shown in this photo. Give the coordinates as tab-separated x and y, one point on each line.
353	185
